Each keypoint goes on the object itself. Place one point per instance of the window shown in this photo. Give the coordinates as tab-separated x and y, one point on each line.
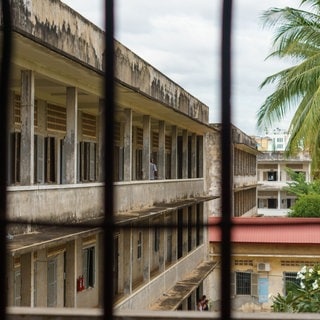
88	161
246	283
139	248
50	159
272	176
290	280
156	239
88	267
52	283
15	145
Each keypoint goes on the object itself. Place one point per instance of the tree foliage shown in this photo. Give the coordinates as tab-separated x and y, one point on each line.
297	38
307	206
301	298
298	185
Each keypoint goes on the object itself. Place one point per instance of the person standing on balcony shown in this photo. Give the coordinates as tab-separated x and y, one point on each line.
153	170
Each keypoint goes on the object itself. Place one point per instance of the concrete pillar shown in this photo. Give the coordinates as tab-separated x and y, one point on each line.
101	154
146	147
279	172
146	250
70	143
126	273
194	229
27	127
26	279
185	154
174	150
70	275
162	150
185	232
193	155
127	147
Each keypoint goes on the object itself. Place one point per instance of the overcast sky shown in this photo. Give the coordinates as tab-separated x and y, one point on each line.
181	38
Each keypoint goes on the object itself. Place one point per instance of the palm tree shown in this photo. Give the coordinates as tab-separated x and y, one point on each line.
297	36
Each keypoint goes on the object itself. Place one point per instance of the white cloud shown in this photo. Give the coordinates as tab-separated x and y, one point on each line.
181	38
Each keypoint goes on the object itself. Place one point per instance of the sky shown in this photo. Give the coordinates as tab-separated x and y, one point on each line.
181	38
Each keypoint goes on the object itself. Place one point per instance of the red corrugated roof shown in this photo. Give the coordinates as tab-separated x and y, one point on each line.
269	230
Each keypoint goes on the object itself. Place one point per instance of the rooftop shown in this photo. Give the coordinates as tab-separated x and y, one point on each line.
269	230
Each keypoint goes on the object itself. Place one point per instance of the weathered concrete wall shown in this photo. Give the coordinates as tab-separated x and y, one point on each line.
57	26
141	194
54	24
75	203
281	257
132	70
213	170
144	297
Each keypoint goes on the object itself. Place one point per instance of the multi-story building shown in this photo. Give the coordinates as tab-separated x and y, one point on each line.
273	176
55	177
243	172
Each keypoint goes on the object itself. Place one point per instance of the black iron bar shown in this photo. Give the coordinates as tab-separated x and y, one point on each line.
225	276
4	87
108	113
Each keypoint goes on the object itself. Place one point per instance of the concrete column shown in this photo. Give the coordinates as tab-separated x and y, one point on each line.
193	155
101	142
174	150
162	150
27	127
146	250
184	154
127	147
26	279
279	172
185	232
125	272
146	147
279	199
70	145
70	276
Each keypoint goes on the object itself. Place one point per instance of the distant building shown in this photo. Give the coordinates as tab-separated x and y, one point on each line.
272	163
243	169
275	140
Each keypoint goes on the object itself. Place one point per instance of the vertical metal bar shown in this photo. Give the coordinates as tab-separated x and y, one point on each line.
4	87
226	161
108	158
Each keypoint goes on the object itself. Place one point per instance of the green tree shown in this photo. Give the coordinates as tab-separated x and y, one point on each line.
307	206
296	37
298	185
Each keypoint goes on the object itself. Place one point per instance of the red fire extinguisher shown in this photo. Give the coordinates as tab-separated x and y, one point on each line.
80	283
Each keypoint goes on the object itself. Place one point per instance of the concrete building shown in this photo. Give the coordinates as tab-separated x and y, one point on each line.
55	175
273	177
55	184
274	140
273	163
243	169
267	253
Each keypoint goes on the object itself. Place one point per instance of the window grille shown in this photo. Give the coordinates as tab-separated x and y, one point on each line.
290	280
58	123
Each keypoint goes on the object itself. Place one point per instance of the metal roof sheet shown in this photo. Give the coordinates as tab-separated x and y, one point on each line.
269	230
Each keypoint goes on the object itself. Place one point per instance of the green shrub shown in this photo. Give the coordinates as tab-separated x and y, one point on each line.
306	206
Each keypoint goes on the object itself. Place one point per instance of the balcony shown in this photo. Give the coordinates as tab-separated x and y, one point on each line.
147	193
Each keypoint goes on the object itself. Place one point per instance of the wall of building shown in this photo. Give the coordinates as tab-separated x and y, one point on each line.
278	258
